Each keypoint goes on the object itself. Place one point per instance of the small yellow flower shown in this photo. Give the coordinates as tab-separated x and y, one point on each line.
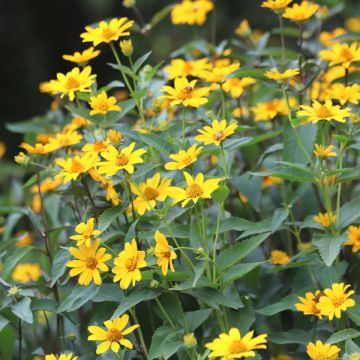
64	139
38	149
276	75
113	336
320	351
46	185
325	219
344	94
21	159
268	181
189	340
126	47
86	233
335	300
234	346
184	68
89	262
125	159
152	190
243	29
24	273
276	5
183	158
114	137
107	32
102	104
236	86
185	93
324	152
128	264
196	189
353	24
25	238
164	253
353	238
327	111
217	133
69	356
279	257
74	167
129	3
221	69
191	12
300	12
72	82
326	37
341	54
308	304
111	194
82	58
96	147
13	291
268	110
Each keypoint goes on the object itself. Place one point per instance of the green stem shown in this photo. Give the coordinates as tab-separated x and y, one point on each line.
141	336
183	126
216	240
205	242
164	312
281	23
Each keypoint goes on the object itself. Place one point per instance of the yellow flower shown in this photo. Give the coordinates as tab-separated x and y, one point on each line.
353	24
189	340
324	152
183	158
164	253
326	111
217	133
113	336
185	93
235	86
243	29
74	167
276	5
24	273
308	304
344	94
149	192
2	149
335	300
96	147
300	12
353	238
89	261
233	346
341	54
69	356
221	69
25	238
82	58
325	219
102	104
13	291
124	159
127	265
73	81
279	257
181	68
107	32
38	149
326	37
111	194
276	75
114	136
191	12
196	189
46	185
21	159
126	47
268	110
86	233
129	3
320	351
268	181
65	139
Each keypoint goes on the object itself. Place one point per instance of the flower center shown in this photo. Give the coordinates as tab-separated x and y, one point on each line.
71	83
165	254
91	263
131	264
122	160
187	160
114	335
151	193
186	93
271	106
103	106
194	191
107	33
337	301
76	167
188	68
237	347
346	54
323	112
99	145
218	135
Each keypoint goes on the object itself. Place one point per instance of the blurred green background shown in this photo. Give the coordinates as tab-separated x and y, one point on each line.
35	34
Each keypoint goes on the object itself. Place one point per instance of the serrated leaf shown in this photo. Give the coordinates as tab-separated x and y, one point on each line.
329	246
280	215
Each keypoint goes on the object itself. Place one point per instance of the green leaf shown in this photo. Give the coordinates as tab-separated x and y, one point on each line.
14	259
165	343
349	213
221	193
7	341
249	72
44	304
343	335
280	215
131	234
294	336
79	296
140	61
3	322
136	297
329	246
238	271
109	292
36	125
160	15
354	312
59	265
22	310
239	251
108	216
195	318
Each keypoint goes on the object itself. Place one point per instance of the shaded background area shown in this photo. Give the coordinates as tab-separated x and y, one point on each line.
35	34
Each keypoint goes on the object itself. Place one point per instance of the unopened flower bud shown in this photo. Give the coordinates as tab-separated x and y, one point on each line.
129	3
154	284
190	340
126	47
